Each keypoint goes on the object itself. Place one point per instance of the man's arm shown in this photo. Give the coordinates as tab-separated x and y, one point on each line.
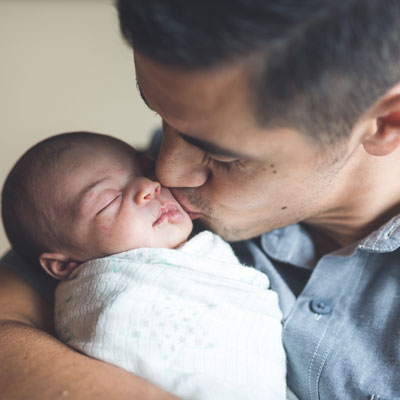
36	366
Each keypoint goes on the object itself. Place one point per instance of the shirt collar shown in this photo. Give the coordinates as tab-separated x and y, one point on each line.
293	244
385	239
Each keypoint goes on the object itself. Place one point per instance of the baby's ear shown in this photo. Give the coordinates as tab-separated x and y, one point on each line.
57	265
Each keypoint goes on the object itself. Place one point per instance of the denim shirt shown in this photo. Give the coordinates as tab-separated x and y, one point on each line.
342	332
341	315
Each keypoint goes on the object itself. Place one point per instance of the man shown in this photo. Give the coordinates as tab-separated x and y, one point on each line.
281	119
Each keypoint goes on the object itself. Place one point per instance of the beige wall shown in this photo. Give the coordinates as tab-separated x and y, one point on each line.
64	66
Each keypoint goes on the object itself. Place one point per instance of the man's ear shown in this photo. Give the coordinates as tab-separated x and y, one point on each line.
57	265
385	138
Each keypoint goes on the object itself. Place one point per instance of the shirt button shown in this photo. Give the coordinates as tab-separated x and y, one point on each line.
320	306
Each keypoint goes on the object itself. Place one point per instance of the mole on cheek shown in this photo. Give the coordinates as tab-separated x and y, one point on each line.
283	208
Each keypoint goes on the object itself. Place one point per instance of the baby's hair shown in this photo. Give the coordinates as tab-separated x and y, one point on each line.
31	221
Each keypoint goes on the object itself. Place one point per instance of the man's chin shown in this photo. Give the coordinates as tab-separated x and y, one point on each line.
228	233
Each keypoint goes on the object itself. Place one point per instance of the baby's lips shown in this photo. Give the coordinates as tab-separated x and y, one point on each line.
168	211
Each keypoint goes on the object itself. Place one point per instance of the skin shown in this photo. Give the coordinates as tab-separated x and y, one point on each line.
242	180
355	188
111	206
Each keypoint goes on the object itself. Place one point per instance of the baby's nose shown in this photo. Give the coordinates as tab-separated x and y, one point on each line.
147	190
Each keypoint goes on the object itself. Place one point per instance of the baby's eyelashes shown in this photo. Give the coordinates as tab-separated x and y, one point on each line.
108	203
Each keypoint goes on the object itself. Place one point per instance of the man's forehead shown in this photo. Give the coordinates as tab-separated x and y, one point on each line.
181	94
215	107
210	105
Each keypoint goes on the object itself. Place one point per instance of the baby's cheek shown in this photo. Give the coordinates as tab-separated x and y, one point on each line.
105	228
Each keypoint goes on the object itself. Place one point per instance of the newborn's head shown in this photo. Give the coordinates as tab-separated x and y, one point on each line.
79	196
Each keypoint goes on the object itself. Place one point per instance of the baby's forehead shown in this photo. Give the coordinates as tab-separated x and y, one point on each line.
97	168
100	155
48	168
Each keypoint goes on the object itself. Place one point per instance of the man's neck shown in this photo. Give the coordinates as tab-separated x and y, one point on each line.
364	197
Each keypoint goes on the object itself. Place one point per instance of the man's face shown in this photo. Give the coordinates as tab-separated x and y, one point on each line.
239	179
112	207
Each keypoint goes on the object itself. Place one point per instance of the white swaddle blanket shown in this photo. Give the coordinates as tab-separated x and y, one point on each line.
192	320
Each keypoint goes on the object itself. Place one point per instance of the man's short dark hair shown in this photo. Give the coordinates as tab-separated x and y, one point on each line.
323	62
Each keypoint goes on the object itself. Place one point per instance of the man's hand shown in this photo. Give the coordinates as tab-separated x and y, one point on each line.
36	366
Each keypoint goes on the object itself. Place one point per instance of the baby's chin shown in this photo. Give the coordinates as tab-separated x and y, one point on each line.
180	244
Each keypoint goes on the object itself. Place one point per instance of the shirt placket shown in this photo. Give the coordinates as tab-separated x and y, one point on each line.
317	314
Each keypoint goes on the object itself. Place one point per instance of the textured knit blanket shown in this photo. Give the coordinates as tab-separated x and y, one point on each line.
193	320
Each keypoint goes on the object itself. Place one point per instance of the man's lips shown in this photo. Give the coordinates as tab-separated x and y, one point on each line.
192	214
169	211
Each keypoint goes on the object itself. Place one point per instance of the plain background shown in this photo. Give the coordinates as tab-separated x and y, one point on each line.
65	67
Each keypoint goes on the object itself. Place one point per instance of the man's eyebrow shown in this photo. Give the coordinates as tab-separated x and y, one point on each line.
142	96
211	148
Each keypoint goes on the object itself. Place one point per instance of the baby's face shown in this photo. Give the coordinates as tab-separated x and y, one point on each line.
113	208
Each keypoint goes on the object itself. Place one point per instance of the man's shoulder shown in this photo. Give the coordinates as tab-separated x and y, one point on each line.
36	277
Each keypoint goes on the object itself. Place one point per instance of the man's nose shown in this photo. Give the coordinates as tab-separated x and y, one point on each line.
147	189
179	164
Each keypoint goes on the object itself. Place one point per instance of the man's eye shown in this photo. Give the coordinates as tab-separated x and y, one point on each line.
113	202
216	164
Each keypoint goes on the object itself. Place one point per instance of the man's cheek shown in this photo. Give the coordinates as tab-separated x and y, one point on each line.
242	198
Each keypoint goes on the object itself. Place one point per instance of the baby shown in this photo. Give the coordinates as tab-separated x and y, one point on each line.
134	291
